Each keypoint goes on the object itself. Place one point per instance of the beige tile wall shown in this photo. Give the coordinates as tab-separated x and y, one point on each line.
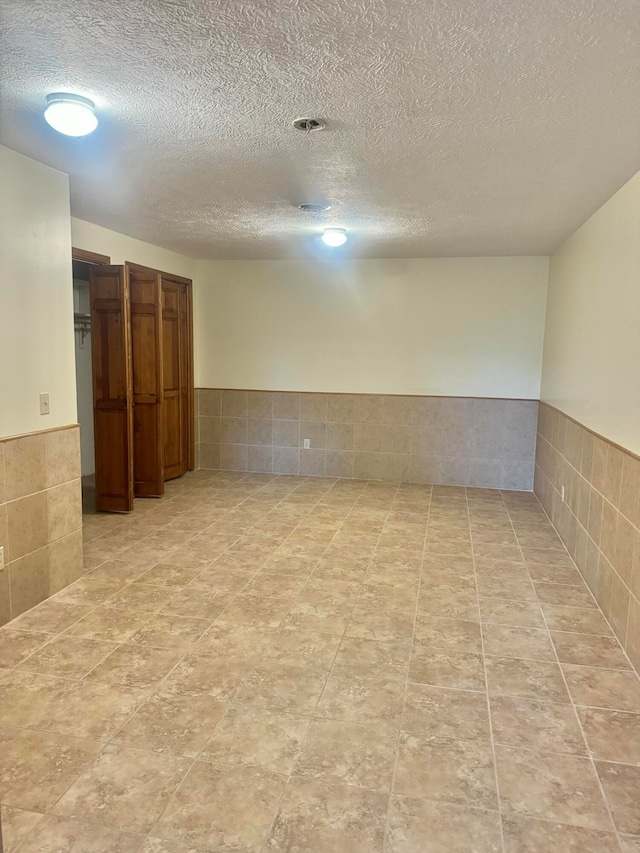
40	517
599	519
444	440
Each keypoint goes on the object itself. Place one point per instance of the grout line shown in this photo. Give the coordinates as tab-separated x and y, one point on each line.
486	684
582	732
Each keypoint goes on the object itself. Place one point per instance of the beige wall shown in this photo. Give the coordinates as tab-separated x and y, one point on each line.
591	365
598	516
36	296
446	326
120	248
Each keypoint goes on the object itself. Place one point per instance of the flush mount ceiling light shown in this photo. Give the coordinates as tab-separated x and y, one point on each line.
334	237
72	115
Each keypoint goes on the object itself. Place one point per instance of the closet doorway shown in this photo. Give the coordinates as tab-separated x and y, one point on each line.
139	321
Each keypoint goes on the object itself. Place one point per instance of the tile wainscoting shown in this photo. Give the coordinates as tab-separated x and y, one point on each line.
488	443
40	517
599	519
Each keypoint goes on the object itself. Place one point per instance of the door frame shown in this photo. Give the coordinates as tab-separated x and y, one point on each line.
95	259
89	257
191	421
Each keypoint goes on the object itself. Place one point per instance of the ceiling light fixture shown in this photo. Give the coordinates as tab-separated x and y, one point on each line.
334	237
72	115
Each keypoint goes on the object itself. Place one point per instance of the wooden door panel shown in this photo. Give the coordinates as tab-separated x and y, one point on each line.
112	388
171	380
146	345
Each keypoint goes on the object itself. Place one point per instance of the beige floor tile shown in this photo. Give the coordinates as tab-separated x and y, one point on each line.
255	737
360	656
581	620
177	723
109	623
418	825
223	807
25	697
328	619
136	666
449	604
37	767
530	679
291	688
443	769
514	589
621	783
603	688
536	724
68	657
512	642
452	634
16	823
233	641
125	788
90	590
446	668
612	735
52	616
168	631
58	834
359	699
16	646
93	709
561	788
350	753
526	835
300	647
171	575
446	713
589	650
326	818
565	595
256	610
323	602
141	596
520	614
202	675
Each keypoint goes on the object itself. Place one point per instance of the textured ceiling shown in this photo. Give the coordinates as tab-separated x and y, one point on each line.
454	128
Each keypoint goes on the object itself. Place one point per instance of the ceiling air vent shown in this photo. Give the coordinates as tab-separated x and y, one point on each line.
314	208
309	124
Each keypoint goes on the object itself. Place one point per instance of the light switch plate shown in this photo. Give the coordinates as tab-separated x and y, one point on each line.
44	403
1	557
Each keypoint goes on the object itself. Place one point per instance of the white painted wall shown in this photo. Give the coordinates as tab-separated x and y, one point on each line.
446	326
120	248
592	340
36	296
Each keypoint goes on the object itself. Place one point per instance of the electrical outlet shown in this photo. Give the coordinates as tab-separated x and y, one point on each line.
44	403
1	557
563	494
306	443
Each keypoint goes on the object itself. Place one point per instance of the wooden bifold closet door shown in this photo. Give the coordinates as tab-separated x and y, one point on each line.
112	388
142	382
146	348
176	361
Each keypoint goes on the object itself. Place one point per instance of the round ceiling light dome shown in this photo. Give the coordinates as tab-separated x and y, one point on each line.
334	237
72	115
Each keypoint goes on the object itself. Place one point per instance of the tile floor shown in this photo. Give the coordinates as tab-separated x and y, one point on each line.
270	663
